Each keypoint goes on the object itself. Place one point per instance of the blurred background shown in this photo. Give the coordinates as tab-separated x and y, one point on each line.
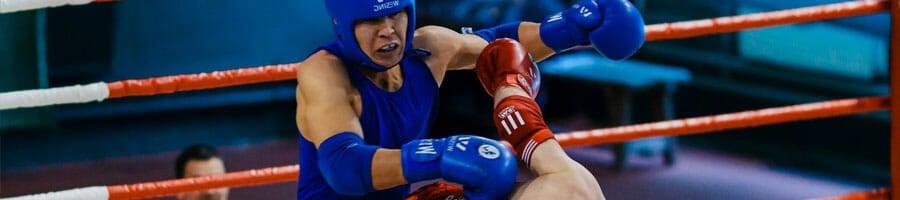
136	139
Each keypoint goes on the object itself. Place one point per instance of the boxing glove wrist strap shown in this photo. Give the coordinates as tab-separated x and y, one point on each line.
507	30
520	122
421	159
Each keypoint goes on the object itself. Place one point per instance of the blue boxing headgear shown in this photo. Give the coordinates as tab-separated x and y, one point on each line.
345	13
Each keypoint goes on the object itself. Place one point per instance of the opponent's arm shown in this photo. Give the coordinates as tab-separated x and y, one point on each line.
511	77
613	27
557	177
450	50
456	51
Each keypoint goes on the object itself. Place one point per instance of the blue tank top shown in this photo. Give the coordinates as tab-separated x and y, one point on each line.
388	119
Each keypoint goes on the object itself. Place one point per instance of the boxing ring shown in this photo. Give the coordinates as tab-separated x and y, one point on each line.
666	31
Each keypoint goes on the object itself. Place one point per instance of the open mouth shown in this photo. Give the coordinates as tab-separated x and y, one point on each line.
388	48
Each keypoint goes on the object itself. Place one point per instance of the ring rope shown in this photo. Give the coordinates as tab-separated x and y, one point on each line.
227	78
727	121
172	187
686	29
571	139
146	87
216	79
876	194
233	179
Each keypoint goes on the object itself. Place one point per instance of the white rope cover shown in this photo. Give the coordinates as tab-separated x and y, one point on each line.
85	193
7	6
51	96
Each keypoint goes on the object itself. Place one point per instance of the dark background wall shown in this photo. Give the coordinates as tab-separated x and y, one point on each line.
143	38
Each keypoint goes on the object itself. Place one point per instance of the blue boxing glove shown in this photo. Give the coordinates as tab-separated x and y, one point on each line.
614	27
570	28
486	168
622	32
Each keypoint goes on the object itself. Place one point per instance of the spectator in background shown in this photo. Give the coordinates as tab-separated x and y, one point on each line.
200	160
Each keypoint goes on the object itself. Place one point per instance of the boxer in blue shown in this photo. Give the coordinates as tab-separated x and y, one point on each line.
365	100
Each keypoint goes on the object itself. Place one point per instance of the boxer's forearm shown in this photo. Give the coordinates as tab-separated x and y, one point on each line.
530	37
567	185
549	158
386	170
558	176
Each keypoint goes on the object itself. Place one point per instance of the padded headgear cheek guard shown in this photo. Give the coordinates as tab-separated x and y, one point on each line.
346	12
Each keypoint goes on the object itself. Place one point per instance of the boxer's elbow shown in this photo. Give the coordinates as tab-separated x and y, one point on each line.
585	186
344	185
345	163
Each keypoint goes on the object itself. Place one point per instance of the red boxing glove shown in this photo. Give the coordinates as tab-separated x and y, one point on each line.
504	62
438	191
519	120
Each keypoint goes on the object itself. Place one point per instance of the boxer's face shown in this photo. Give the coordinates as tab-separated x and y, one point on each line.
383	38
197	168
